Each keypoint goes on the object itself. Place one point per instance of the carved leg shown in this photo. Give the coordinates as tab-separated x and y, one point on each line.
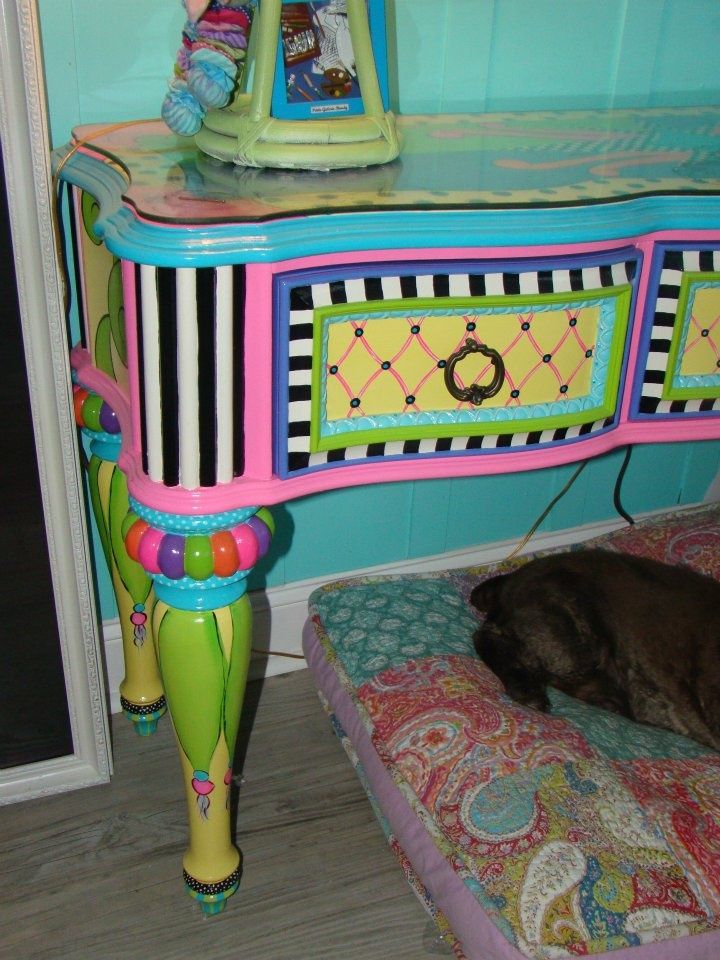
141	692
204	658
202	629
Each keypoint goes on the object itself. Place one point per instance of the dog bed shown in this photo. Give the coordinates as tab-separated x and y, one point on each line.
527	835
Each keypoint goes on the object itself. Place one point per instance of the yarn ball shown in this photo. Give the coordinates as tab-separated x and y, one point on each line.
211	77
181	109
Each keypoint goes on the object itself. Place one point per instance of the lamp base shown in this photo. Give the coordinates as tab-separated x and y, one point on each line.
232	135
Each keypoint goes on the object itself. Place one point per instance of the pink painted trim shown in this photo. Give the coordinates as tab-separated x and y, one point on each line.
491	252
258	490
447	253
258	370
646	246
683	236
100	383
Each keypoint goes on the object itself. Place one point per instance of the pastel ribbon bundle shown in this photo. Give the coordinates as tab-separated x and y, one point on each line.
209	62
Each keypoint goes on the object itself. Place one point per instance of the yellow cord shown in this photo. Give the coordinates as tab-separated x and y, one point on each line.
276	653
528	536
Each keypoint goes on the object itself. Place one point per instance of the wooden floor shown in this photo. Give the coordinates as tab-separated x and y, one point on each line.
96	873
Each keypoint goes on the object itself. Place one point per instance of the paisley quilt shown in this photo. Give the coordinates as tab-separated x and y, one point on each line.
577	832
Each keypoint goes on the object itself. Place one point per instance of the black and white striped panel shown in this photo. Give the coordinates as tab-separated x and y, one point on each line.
675	263
444	445
306	297
190	335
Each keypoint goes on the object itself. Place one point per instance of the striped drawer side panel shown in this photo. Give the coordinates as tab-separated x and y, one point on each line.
665	301
190	325
293	443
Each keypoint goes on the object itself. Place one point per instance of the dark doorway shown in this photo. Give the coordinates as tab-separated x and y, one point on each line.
34	722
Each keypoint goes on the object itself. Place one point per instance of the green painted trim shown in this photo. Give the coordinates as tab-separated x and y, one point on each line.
670	392
621	295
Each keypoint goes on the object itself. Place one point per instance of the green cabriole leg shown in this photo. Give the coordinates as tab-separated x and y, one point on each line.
204	658
141	691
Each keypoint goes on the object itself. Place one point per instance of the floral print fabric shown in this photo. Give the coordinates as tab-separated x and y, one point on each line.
577	831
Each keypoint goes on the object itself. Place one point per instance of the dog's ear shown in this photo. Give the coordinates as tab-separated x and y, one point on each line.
486	595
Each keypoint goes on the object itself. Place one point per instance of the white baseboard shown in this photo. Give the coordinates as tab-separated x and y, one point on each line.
280	612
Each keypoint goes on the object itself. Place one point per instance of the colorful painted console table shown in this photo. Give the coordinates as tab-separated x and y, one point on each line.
515	291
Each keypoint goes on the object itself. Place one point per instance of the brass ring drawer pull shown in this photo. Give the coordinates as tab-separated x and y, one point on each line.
476	392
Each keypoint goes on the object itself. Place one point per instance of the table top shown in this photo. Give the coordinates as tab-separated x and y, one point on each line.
492	161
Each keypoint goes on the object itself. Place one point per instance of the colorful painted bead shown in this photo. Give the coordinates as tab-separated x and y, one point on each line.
148	549
225	555
108	419
198	557
171	556
80	395
262	533
247	546
133	537
91	412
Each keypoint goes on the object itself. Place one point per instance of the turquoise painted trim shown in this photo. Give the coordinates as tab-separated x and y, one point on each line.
107	446
212	904
695	386
198	595
188	524
598	403
170	245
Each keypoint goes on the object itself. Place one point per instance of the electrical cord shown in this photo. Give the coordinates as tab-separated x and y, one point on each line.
616	500
618	487
528	536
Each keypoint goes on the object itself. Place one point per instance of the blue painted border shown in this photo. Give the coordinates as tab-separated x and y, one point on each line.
269	241
635	415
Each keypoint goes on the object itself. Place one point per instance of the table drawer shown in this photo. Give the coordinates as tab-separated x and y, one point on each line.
680	355
430	359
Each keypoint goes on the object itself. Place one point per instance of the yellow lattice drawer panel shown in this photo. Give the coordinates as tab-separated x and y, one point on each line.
394	362
681	343
699	348
371	373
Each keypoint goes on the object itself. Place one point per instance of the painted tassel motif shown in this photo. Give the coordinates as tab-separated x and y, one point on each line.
204	657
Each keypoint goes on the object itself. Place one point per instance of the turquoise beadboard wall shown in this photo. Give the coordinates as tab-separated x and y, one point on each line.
108	61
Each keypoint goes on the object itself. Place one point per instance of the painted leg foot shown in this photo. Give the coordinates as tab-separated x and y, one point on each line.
145	716
212	897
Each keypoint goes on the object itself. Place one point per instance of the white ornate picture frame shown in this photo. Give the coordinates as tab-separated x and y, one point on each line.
26	153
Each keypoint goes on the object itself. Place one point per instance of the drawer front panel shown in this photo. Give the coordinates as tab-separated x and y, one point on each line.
368	358
681	347
377	372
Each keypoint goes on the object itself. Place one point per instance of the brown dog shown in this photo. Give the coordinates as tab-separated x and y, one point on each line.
625	633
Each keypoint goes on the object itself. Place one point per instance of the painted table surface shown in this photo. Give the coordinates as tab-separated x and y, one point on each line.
496	161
